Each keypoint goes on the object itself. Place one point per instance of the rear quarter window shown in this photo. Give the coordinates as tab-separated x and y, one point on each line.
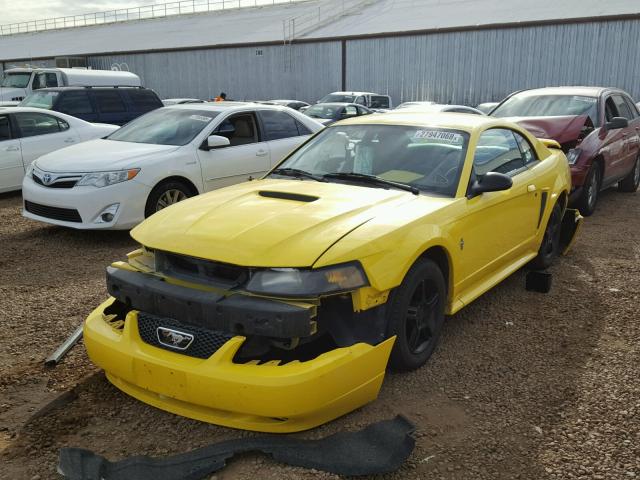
144	100
109	101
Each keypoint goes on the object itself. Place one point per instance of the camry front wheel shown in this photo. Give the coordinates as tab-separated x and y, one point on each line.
166	194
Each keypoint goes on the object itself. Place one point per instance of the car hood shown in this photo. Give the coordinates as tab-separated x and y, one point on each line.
267	223
100	155
561	129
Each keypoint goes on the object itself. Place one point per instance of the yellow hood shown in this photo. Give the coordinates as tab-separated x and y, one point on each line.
255	224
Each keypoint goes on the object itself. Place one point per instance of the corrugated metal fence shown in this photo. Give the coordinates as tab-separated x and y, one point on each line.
466	67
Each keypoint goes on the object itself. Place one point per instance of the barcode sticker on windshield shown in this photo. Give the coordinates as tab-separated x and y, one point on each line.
439	136
200	118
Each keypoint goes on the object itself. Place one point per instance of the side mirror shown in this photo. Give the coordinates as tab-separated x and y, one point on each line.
491	182
217	141
617	123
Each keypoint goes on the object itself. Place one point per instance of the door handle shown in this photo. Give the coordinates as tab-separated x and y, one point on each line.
69	140
261	153
12	149
531	188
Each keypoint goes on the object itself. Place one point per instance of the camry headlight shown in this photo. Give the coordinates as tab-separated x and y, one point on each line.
104	179
295	282
573	155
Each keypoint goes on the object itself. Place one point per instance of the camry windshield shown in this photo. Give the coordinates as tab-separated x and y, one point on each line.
40	100
165	126
548	106
16	80
429	159
322	111
337	97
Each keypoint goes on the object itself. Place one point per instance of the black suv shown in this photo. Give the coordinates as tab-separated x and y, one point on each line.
115	105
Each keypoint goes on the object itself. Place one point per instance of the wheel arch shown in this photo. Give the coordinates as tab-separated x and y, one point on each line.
178	178
440	256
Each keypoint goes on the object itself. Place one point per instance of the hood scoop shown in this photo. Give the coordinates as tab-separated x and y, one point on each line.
296	197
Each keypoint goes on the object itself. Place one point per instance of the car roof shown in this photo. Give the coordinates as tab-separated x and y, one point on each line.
6	110
459	121
586	91
339	104
352	93
225	106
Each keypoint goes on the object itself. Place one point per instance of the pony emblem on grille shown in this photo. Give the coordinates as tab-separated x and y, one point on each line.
174	339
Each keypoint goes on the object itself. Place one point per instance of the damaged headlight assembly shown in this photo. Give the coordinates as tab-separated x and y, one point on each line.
297	282
104	179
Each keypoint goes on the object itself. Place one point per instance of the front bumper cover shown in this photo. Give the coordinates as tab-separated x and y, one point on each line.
264	397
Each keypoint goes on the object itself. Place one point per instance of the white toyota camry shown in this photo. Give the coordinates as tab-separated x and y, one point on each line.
27	133
159	159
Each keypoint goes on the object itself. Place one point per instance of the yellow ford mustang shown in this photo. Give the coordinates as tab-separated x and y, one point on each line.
276	305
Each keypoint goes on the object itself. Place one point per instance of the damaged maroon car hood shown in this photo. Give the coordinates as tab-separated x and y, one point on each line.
561	129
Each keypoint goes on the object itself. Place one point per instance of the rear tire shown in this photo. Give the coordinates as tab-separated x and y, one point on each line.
629	184
590	191
166	194
550	247
415	315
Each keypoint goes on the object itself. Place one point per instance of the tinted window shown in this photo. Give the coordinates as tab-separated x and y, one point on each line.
144	100
74	103
379	101
165	126
5	128
428	158
632	107
528	153
32	124
610	110
623	108
278	125
109	101
240	129
497	151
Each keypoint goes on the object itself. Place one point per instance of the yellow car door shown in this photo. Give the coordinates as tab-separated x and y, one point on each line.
496	232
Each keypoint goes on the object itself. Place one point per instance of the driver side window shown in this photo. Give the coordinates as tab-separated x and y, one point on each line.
5	128
498	151
610	110
240	129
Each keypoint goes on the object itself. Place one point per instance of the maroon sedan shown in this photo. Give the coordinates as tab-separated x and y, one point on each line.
598	129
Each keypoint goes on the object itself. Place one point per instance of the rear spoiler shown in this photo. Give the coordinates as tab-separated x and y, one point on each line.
550	143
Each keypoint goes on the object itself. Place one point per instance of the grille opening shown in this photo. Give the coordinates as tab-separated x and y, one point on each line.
55	213
58	184
263	350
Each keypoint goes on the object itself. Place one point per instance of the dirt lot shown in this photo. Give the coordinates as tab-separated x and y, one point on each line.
523	385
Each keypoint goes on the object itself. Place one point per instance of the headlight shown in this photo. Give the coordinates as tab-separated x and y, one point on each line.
573	155
104	179
294	282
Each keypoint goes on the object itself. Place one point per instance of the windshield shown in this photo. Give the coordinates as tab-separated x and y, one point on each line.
322	111
429	159
165	126
548	106
336	97
16	80
40	100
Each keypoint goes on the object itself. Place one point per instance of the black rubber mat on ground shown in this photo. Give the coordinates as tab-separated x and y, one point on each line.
379	448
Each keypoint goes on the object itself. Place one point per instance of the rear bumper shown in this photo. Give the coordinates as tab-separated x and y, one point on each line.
268	397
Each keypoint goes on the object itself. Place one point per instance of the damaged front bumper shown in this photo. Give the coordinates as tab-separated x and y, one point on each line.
268	397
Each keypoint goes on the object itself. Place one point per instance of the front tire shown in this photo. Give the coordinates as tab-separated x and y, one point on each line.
630	183
590	191
166	194
416	315
550	247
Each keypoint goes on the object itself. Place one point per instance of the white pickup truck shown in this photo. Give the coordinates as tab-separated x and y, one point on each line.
20	82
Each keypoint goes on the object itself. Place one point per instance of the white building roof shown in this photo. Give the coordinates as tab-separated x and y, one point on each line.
265	24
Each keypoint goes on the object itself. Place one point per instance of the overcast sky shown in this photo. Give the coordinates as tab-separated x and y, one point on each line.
12	11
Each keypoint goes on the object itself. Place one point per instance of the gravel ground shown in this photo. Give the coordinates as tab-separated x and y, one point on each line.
523	385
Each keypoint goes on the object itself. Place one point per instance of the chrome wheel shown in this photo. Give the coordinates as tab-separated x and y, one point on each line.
170	197
592	188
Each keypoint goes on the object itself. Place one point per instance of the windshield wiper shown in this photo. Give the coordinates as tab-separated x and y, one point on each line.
297	173
371	179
